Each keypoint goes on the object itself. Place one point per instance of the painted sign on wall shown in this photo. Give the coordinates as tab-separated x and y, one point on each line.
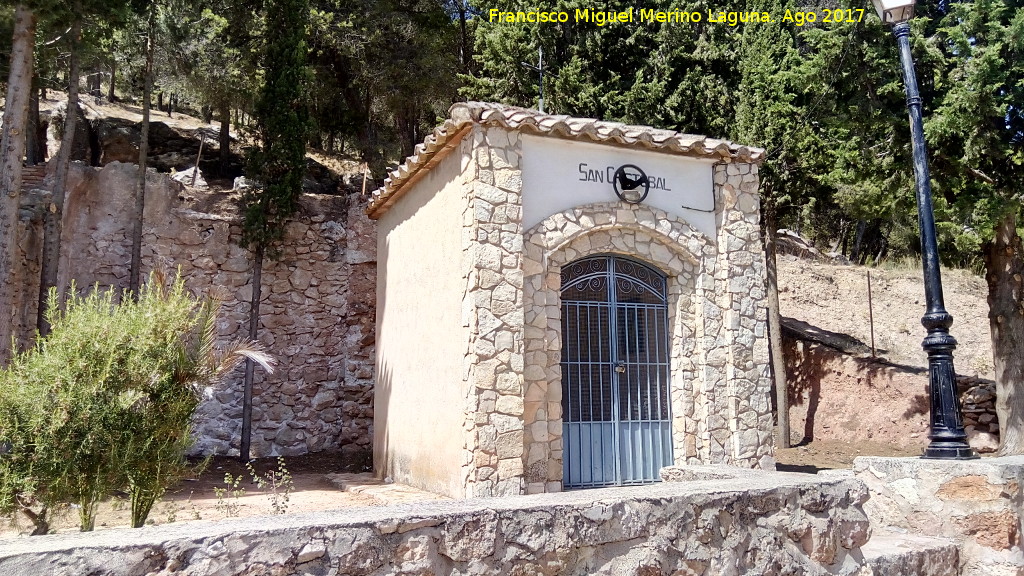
561	174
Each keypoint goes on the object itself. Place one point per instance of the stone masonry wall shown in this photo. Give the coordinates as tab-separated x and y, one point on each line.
722	412
740	434
616	227
750	525
494	306
720	392
514	411
974	502
316	313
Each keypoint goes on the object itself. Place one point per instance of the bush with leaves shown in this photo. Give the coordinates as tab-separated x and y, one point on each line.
105	402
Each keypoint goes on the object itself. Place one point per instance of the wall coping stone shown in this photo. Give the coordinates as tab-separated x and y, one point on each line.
387	537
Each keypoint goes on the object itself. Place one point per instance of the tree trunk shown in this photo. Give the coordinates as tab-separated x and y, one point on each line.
39	518
111	97
465	54
254	321
778	361
140	186
12	150
34	145
1004	269
224	139
54	215
858	239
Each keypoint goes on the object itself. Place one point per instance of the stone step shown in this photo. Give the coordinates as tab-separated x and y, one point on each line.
894	554
33	177
384	493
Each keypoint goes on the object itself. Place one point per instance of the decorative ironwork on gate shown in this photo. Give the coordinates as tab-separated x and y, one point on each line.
615	373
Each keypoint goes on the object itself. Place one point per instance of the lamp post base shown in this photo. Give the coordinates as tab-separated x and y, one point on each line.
949	451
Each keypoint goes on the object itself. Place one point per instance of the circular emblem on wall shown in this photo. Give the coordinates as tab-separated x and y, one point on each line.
631	184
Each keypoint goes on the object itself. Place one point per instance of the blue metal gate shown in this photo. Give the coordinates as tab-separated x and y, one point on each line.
615	368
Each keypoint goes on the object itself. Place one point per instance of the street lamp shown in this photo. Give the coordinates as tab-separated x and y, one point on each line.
948	439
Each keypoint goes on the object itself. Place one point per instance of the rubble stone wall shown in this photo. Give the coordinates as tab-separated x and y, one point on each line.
317	307
754	524
974	502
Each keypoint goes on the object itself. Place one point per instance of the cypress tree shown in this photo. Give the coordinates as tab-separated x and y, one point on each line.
282	121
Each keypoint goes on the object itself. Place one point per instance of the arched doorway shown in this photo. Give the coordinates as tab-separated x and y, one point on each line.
615	372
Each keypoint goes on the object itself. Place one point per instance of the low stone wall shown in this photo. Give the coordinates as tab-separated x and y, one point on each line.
316	315
978	399
755	523
975	502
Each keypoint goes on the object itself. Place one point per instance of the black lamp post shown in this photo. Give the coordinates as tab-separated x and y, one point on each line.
948	439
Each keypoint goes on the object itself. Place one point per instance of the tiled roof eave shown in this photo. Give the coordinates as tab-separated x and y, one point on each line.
464	114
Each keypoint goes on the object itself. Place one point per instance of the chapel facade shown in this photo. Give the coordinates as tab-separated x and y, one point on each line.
567	303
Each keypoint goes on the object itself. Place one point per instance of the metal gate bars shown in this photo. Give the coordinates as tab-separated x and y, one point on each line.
615	373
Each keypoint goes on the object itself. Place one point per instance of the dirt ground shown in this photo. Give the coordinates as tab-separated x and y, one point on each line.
832	454
101	108
317	485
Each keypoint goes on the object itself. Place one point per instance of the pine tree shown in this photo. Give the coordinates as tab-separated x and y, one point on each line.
12	149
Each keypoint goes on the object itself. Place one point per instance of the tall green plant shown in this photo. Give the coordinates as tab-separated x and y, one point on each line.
278	165
105	402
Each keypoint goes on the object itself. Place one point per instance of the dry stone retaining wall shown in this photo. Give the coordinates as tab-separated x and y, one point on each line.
316	314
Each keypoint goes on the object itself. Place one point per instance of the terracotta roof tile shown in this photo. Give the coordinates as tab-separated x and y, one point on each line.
464	114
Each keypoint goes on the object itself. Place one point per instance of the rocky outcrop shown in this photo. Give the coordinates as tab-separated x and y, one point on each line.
83	149
170	149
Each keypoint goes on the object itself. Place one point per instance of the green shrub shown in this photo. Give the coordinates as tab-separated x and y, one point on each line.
105	402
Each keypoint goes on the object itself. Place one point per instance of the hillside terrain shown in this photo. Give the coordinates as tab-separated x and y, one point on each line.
846	404
176	140
835	298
